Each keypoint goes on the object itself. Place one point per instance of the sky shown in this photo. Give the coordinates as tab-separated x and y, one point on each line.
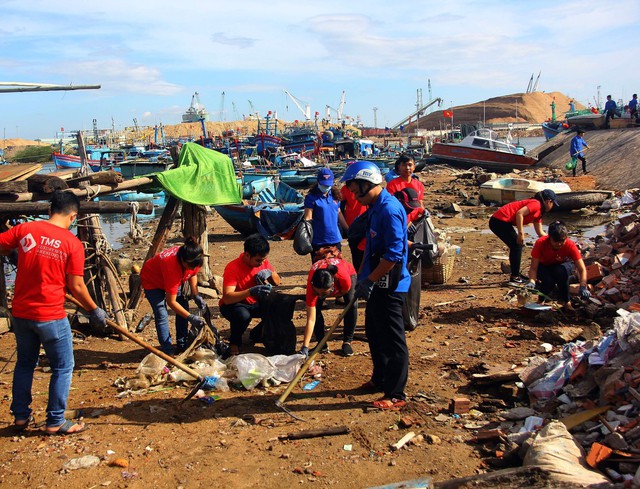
150	57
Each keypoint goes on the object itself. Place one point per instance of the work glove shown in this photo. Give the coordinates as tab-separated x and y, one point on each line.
196	321
304	351
260	291
262	276
364	289
200	303
99	317
584	293
530	285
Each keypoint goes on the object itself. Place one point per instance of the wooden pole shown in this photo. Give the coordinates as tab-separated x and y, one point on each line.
86	207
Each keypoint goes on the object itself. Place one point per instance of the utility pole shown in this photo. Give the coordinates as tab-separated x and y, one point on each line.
375	117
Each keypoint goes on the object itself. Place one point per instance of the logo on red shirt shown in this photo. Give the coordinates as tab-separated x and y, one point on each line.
27	243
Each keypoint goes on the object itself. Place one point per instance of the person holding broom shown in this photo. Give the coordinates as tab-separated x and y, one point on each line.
576	150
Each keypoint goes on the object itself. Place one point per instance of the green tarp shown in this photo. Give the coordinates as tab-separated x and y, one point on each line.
203	177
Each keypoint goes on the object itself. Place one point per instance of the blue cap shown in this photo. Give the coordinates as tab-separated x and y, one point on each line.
325	177
548	194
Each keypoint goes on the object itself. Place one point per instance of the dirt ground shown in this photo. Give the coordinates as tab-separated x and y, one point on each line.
465	325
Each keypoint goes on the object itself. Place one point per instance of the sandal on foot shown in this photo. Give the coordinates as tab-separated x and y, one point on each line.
64	428
20	427
389	404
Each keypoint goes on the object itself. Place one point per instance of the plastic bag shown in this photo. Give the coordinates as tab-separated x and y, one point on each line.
151	365
571	164
302	238
250	369
287	366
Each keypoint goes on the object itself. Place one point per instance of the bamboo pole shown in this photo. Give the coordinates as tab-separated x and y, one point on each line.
86	207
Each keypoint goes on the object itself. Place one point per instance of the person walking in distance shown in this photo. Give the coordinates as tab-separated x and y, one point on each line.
576	150
610	108
633	106
50	261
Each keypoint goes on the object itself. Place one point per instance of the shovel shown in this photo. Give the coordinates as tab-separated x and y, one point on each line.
312	356
202	381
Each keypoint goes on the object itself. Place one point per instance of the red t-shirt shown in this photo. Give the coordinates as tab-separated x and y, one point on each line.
341	280
238	273
164	271
46	255
543	251
398	184
507	213
353	208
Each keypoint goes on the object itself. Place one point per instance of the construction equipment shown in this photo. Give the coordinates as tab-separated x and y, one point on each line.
306	111
222	107
339	110
312	356
420	109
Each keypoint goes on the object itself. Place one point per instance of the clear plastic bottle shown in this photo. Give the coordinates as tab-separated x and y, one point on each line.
143	323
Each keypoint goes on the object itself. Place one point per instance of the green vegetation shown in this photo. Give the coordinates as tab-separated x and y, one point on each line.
32	154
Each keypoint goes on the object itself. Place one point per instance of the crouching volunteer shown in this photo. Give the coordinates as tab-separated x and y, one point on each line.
245	281
50	259
329	277
553	259
383	281
162	277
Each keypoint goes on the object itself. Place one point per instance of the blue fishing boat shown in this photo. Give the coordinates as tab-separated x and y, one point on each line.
132	196
138	168
551	129
274	214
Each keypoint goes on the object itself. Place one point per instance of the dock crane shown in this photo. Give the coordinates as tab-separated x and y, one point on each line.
413	114
340	108
222	107
254	112
307	108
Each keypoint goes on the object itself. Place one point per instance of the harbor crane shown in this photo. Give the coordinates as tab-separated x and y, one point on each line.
306	111
222	107
340	108
413	114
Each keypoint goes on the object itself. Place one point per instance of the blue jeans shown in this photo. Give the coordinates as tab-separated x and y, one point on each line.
55	337
157	299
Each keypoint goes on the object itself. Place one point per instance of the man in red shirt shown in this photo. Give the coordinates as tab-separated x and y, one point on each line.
50	259
404	167
245	281
552	263
351	209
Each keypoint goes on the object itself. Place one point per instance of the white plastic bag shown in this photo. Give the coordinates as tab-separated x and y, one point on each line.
250	369
151	365
287	366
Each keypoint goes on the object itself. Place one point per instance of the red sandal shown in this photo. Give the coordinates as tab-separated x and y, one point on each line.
389	404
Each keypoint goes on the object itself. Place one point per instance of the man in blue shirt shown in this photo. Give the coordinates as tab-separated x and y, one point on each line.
609	110
578	145
383	281
633	106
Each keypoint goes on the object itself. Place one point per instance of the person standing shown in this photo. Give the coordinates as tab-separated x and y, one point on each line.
553	260
351	209
576	150
50	260
322	207
162	277
383	281
405	166
245	281
610	108
329	277
633	106
519	214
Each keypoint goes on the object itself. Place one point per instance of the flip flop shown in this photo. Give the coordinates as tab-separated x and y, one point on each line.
21	427
65	427
389	404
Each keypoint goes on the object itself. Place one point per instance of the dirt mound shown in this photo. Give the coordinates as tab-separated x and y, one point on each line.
17	142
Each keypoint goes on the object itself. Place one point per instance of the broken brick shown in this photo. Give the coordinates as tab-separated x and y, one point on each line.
597	454
460	405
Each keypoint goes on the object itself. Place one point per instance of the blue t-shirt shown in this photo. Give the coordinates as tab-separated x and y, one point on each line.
633	104
610	105
387	238
577	144
325	218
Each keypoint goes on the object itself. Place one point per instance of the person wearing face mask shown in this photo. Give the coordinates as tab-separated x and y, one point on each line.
322	207
329	277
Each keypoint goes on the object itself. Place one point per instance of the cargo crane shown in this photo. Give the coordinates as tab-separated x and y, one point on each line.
413	114
222	107
254	112
339	110
306	111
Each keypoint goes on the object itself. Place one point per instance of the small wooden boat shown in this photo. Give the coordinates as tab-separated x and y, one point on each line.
136	168
63	161
505	190
587	121
569	201
551	129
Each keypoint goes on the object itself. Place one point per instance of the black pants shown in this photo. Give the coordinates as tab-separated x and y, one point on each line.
387	341
610	114
584	165
350	317
507	233
239	316
551	276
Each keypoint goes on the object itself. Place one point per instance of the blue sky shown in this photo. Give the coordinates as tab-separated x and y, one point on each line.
150	57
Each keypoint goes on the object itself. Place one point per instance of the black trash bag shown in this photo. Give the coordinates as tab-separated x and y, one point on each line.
423	232
302	238
411	306
358	229
276	331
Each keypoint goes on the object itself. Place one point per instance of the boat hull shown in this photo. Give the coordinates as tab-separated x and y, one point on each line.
551	129
467	157
63	161
132	169
505	190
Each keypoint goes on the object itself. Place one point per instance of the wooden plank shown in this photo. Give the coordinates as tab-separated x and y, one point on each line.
86	207
13	187
29	173
15	171
41	182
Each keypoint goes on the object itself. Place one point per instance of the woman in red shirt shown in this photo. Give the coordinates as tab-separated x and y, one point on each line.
329	277
553	259
519	214
162	277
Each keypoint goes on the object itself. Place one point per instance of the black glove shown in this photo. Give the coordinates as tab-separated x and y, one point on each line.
260	291
196	321
364	288
99	317
262	276
584	293
200	303
304	351
411	230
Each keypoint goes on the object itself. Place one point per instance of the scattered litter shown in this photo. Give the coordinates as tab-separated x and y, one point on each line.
311	385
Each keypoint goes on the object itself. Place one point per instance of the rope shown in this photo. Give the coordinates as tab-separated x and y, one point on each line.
135	229
90	190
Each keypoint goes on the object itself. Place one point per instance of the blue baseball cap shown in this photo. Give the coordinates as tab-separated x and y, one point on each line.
325	177
548	194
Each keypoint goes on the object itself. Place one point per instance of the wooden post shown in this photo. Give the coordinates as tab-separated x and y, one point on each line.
91	207
195	224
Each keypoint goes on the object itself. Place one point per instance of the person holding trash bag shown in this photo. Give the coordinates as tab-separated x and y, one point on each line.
553	260
245	281
405	165
383	281
519	214
162	277
329	277
322	207
50	260
576	150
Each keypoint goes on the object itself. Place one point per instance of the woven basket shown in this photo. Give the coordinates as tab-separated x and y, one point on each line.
441	270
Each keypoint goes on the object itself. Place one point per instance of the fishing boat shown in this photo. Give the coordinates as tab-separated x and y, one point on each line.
63	161
253	186
570	201
552	129
505	190
587	121
132	196
483	148
138	168
274	214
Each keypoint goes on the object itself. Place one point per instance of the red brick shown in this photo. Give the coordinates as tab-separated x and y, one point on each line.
594	272
460	405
